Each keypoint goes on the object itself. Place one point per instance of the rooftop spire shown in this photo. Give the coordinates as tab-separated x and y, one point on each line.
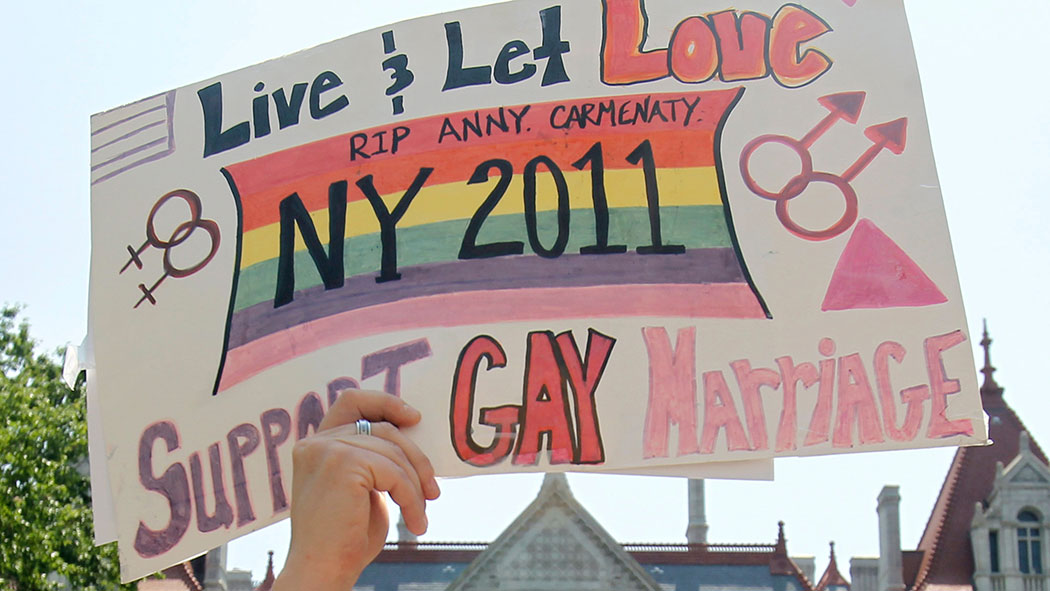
832	578
781	564
267	582
989	387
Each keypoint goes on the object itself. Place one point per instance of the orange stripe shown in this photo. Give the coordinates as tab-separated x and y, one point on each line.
319	157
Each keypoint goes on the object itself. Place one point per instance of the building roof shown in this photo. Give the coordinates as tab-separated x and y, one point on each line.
176	578
268	580
555	514
945	555
832	577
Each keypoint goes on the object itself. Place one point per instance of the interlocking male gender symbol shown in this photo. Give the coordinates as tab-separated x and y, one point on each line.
179	235
843	106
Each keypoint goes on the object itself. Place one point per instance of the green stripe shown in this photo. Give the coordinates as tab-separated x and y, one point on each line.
697	226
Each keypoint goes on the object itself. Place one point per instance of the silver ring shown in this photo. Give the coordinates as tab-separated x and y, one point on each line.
364	427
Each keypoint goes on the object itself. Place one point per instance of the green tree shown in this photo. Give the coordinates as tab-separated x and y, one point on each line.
45	500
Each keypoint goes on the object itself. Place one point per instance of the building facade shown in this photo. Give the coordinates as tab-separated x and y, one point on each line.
988	527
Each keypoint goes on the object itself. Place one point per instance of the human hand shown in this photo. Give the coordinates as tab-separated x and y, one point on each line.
339	519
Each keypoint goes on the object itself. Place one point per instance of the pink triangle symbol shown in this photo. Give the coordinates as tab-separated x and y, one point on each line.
874	272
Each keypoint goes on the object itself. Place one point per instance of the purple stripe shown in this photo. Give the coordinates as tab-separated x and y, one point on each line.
124	155
127	135
163	107
697	266
128	167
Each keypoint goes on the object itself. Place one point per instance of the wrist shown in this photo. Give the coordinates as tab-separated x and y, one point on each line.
302	574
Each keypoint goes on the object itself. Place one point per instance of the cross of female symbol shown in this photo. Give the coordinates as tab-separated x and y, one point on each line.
843	106
179	235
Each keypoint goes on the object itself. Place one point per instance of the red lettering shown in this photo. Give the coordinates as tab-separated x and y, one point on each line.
544	405
583	377
735	45
672	391
820	422
941	386
792	26
623	61
720	412
742	44
751	382
791	375
856	403
504	418
694	51
914	397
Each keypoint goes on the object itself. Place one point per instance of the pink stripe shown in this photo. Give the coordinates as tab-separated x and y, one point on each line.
723	300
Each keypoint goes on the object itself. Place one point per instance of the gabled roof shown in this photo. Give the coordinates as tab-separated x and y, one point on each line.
832	577
176	578
947	556
428	566
555	538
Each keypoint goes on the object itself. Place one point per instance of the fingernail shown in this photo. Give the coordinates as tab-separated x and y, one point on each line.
433	490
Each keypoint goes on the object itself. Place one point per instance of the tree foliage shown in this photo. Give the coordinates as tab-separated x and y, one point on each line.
45	495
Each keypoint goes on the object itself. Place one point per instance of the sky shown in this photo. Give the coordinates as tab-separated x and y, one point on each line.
983	72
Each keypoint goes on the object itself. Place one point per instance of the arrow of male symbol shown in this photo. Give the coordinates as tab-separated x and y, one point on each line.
843	106
890	136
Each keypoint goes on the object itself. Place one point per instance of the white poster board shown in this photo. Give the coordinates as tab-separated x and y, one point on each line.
580	236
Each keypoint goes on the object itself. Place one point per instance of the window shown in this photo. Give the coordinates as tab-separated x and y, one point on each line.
993	549
1029	543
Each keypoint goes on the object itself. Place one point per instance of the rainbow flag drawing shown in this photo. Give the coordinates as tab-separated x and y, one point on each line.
590	208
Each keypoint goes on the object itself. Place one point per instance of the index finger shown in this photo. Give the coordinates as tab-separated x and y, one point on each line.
373	406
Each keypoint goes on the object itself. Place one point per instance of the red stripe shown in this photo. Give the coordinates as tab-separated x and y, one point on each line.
322	156
734	300
670	150
310	168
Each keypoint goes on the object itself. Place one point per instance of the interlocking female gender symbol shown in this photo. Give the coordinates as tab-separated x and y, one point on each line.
179	235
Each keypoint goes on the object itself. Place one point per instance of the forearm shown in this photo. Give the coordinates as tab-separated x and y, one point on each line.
303	577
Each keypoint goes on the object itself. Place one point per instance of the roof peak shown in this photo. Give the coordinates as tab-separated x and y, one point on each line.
989	387
832	577
555	481
268	581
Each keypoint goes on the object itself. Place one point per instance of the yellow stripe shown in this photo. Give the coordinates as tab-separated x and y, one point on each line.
459	201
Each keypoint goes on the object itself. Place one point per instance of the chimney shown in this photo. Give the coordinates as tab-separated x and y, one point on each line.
215	570
696	532
891	569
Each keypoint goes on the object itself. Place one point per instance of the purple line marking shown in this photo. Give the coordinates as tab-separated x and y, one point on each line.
127	135
169	105
169	102
150	158
152	144
697	266
126	119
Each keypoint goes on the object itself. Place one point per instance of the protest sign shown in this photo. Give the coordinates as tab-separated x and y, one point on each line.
593	236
